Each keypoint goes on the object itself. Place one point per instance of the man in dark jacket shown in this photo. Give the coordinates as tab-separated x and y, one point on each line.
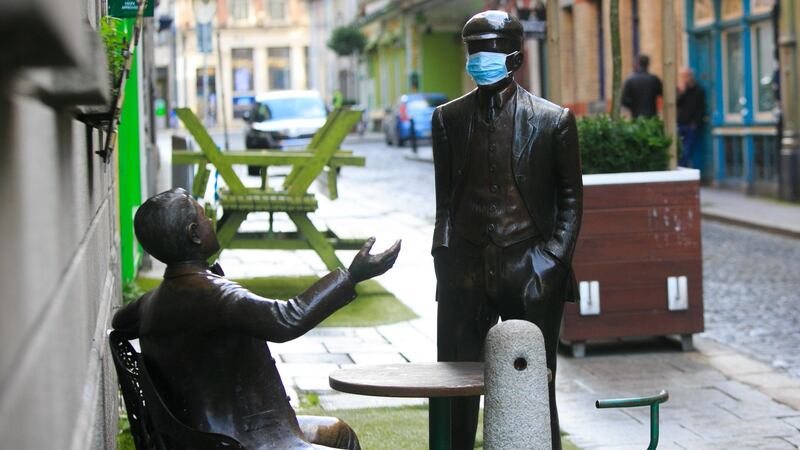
508	209
641	90
691	114
204	338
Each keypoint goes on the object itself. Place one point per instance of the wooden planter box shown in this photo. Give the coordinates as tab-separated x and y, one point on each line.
638	259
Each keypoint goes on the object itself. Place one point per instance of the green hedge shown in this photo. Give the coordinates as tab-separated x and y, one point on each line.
610	146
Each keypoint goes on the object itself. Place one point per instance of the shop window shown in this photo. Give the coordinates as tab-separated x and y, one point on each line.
733	149
278	65
277	10
242	79
732	9
764	70
735	100
703	12
765	158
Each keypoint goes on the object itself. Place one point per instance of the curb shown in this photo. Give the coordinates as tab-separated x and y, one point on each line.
731	220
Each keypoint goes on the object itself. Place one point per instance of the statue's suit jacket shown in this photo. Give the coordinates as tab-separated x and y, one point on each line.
546	165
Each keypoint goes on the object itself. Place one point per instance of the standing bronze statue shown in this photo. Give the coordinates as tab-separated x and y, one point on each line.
204	338
508	209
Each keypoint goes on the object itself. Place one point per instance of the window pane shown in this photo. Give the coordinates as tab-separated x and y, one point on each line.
293	108
765	67
732	9
734	72
703	12
761	6
242	79
278	66
277	9
734	156
239	9
766	149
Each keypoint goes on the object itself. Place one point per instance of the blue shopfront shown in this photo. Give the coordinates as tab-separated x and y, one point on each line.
732	52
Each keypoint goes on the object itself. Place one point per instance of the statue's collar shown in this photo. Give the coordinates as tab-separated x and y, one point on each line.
501	97
185	268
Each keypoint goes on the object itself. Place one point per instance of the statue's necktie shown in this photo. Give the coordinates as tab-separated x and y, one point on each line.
490	112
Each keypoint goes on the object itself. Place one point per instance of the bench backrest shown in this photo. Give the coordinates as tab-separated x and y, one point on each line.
153	426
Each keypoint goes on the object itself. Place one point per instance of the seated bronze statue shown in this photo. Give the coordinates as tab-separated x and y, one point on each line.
204	338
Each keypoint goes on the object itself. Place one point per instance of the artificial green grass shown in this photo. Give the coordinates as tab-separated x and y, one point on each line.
377	428
124	438
396	428
373	306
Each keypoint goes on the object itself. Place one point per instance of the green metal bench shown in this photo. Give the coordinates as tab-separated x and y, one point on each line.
322	157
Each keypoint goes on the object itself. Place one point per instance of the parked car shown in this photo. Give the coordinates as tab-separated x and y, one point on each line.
283	120
416	107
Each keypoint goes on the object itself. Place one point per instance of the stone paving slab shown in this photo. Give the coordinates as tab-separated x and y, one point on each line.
377	358
705	406
336	401
309	358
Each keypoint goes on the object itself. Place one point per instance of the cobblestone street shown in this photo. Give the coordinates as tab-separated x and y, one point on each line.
752	293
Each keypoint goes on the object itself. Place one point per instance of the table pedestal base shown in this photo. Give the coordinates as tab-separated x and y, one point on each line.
439	423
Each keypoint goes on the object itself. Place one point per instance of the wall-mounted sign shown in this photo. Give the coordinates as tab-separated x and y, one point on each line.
129	8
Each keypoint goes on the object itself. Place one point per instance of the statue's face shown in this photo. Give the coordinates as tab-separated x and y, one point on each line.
205	231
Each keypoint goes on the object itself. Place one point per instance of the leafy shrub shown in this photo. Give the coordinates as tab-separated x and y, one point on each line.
115	41
346	40
131	291
609	146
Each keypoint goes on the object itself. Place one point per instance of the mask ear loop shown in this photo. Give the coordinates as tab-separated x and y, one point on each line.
514	53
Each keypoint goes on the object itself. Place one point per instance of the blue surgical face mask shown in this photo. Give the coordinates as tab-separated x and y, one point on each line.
488	67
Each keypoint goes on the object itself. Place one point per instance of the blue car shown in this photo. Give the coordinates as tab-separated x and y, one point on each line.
416	107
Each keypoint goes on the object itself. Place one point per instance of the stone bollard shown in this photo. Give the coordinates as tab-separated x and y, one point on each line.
516	407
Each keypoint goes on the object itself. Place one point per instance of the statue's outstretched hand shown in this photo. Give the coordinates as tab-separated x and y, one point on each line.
366	266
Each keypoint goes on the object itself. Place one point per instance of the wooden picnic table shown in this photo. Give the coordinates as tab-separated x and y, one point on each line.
321	160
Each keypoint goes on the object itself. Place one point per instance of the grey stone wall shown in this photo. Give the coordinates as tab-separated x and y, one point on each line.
59	264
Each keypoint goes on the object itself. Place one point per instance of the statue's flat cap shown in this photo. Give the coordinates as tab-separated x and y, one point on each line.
492	24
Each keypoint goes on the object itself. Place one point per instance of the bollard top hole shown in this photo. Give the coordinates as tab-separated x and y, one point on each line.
520	364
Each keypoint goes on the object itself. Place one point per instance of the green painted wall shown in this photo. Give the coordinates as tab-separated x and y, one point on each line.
442	64
130	188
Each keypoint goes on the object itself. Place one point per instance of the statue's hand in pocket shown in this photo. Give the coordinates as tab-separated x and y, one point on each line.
548	277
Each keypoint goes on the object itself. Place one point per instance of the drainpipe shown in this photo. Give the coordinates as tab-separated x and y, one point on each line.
790	140
669	54
553	53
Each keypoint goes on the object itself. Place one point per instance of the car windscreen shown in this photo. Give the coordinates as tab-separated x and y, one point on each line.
421	103
291	108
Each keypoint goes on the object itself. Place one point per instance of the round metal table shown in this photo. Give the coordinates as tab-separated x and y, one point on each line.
438	381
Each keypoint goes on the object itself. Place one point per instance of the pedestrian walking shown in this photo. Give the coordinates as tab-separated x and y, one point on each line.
641	90
691	114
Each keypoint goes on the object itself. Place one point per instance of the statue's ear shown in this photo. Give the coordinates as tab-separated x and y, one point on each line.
194	236
515	61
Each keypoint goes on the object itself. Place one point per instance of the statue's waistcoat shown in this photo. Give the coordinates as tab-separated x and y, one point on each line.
491	207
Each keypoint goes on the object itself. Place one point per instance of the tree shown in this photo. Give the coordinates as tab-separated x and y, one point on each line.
347	40
616	60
